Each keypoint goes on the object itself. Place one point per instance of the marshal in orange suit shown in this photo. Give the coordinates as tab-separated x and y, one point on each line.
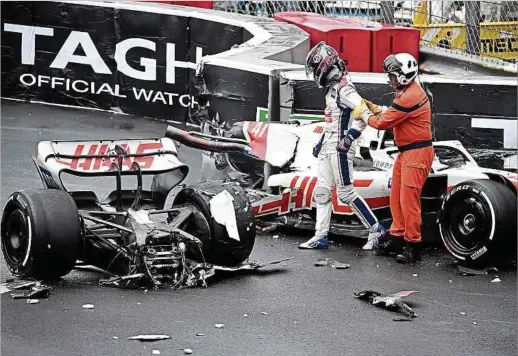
409	116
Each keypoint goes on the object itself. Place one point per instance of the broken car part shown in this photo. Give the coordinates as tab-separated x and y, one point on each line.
149	337
37	291
329	262
392	302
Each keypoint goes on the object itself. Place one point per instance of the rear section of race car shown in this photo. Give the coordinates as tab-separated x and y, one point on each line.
135	232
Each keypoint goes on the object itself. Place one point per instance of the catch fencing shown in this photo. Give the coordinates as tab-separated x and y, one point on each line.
481	28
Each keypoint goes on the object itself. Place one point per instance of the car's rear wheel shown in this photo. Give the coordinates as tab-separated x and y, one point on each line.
477	221
40	233
217	246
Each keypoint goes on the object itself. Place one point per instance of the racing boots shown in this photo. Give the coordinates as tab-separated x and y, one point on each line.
375	234
388	244
411	253
316	242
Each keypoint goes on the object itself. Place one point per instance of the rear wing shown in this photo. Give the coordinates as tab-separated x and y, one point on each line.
100	158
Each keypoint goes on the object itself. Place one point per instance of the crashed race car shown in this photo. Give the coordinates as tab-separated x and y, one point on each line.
132	234
471	208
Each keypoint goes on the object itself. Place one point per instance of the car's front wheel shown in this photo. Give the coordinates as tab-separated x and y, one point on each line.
477	221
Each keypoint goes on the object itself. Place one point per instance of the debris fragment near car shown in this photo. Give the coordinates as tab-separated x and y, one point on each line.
150	337
329	262
465	271
393	302
36	291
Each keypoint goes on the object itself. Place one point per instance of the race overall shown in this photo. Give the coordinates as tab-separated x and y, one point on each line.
336	168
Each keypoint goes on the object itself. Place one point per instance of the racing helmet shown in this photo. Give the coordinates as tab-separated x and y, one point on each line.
403	66
321	60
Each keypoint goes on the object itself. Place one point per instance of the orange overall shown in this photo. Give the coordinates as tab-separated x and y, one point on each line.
409	116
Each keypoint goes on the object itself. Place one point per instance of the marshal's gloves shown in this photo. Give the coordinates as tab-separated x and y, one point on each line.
346	142
318	146
375	109
361	112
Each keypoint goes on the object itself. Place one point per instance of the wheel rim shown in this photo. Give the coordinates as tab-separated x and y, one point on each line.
15	238
467	222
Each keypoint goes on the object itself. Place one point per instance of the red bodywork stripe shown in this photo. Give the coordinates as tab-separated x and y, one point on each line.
299	198
311	189
258	133
294	182
362	183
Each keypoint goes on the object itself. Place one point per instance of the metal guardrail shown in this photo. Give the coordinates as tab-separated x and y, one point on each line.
487	29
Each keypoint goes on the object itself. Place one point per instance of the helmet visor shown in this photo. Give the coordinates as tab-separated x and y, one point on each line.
391	64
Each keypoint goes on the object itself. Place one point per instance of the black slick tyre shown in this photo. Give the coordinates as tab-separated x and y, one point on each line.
477	222
217	246
40	233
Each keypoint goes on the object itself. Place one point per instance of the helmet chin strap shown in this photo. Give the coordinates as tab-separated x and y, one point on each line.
398	84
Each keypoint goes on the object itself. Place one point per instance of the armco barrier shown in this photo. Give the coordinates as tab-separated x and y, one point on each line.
140	57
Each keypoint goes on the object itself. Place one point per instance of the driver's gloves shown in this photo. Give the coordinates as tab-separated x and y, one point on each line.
346	142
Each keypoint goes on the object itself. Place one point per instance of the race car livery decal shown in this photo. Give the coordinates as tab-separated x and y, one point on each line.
318	130
299	196
270	142
258	133
103	159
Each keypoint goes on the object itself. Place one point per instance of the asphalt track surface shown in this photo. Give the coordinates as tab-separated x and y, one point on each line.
309	310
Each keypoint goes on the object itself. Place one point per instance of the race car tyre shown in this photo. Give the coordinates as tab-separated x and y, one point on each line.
477	221
40	233
217	246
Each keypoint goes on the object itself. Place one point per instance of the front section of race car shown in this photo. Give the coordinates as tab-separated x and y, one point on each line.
471	208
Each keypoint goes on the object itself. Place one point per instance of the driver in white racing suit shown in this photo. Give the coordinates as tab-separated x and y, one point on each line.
336	149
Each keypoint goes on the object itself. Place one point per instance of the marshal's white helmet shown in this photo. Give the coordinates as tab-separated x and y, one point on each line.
403	65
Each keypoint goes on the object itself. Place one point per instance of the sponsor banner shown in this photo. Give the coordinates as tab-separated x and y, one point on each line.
497	39
102	57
